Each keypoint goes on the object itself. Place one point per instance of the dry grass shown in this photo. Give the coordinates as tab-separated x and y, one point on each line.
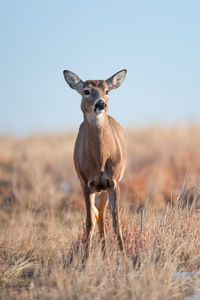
42	220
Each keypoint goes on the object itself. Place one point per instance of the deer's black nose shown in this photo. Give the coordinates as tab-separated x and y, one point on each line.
100	105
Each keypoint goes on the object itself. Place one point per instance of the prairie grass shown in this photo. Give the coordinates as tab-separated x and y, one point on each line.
42	219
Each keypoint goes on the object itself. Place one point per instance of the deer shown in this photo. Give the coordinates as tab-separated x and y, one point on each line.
99	155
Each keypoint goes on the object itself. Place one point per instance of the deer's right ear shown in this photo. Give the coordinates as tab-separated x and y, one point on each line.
74	81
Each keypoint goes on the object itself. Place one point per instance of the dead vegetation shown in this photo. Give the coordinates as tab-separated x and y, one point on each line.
42	211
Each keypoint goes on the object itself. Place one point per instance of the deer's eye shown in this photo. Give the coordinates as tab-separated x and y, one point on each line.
107	91
86	92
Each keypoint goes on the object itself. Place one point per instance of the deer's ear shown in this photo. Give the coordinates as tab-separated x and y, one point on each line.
116	80
74	81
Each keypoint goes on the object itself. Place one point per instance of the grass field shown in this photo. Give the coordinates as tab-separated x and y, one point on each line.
42	219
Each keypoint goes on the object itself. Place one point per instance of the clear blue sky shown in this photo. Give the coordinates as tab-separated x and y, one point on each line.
157	41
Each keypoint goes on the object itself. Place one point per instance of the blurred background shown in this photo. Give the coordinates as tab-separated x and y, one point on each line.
42	211
157	41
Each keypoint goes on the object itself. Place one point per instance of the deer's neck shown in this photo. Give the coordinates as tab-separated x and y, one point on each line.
99	138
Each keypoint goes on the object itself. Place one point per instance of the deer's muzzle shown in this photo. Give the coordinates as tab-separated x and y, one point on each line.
100	105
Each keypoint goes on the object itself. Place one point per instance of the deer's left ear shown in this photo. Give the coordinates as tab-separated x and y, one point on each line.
116	80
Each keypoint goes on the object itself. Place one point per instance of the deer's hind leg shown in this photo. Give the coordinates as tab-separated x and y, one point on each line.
101	221
114	198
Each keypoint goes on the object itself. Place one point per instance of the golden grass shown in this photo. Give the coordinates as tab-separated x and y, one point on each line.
42	220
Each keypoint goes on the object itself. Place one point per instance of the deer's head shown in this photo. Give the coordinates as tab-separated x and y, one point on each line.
94	92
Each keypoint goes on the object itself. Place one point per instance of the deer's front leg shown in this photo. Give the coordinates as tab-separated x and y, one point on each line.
101	208
114	199
92	216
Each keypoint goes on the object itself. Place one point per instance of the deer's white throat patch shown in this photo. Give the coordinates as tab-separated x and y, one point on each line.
95	118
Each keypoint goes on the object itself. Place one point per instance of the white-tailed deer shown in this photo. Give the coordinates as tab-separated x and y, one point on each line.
99	154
